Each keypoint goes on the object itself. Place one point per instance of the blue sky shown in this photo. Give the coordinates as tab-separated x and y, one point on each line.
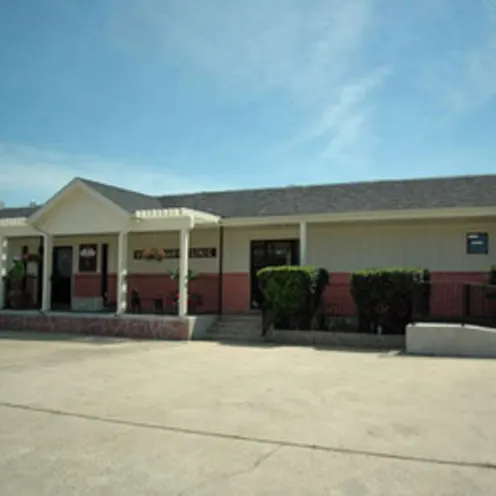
171	96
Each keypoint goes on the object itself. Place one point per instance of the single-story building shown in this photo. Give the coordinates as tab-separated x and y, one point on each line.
87	248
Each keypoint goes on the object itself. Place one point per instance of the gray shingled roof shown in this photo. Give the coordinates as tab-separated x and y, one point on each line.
469	191
472	191
124	198
17	212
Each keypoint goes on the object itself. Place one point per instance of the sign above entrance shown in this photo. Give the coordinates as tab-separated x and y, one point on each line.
174	253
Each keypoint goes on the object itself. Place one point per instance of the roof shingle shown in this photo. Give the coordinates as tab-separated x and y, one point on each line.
449	192
469	191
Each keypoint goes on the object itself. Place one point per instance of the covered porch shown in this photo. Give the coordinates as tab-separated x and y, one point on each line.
83	253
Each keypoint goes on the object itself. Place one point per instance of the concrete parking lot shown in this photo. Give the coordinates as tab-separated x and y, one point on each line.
81	416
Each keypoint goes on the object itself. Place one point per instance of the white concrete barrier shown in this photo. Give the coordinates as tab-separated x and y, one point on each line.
451	340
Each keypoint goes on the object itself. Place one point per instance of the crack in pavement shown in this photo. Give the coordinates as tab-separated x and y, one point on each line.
257	440
261	459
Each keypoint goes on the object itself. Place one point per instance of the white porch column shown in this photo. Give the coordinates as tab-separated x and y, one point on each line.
303	243
46	299
183	272
3	269
122	273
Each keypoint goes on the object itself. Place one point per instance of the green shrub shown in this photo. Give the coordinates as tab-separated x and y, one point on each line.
384	297
17	271
291	294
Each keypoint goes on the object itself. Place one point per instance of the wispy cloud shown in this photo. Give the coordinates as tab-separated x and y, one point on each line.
251	47
465	78
346	120
33	174
308	53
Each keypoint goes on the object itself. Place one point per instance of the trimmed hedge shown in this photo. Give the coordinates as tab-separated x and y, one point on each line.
384	297
291	294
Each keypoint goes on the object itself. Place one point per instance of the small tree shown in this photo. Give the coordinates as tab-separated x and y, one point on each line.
13	281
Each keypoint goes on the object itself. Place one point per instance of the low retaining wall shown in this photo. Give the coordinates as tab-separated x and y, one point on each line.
338	339
451	340
129	326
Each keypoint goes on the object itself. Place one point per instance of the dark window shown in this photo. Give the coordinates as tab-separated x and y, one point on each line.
88	258
478	243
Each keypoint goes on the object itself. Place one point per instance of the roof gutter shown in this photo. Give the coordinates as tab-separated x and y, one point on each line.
377	216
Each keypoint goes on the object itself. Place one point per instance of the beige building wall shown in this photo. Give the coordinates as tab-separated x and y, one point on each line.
437	246
237	243
199	238
76	241
79	213
14	250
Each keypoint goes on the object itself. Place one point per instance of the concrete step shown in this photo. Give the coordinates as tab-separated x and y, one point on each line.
238	326
245	328
235	332
246	338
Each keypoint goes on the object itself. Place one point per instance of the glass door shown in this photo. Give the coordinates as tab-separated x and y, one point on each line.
270	253
62	277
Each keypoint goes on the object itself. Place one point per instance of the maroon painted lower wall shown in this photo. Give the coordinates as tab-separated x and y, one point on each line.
446	298
171	328
151	286
235	289
446	295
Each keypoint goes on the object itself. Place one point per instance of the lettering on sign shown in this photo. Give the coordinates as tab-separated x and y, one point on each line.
173	253
478	243
88	255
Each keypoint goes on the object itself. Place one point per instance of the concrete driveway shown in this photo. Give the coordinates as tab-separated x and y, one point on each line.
86	416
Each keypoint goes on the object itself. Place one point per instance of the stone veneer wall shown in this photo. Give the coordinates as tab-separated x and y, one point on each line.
171	328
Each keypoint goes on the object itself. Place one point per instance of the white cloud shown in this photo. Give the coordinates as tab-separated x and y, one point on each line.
466	79
345	125
308	52
250	47
36	174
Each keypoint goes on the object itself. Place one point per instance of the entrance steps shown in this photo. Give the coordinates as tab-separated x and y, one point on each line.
241	328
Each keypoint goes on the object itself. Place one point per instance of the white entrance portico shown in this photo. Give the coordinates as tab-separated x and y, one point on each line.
81	210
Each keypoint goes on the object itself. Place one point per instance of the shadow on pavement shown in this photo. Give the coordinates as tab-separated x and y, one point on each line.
49	336
271	345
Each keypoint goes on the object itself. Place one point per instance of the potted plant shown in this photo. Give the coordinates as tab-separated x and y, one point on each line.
16	296
154	254
194	300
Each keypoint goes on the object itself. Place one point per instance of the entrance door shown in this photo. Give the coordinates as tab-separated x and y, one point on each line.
61	277
270	253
